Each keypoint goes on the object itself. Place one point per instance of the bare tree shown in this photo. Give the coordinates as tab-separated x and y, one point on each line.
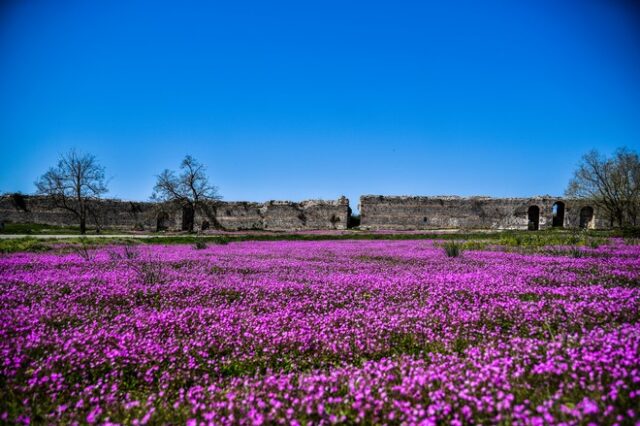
629	167
611	183
74	184
187	189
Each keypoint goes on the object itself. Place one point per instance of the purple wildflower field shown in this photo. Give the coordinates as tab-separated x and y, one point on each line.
320	332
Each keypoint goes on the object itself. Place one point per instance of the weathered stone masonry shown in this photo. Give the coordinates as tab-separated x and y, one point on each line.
447	212
231	216
377	212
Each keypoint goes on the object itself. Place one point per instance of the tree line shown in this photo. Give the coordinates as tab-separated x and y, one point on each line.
612	183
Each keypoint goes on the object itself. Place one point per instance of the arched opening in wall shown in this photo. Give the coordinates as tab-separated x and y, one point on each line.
586	217
353	220
19	202
162	222
533	214
188	216
558	214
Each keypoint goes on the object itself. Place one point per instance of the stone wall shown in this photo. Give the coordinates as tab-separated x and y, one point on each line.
377	212
127	215
275	215
447	212
16	208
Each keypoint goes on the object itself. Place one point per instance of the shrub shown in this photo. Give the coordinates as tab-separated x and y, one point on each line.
452	248
474	245
576	252
575	237
200	245
630	232
510	240
222	240
594	243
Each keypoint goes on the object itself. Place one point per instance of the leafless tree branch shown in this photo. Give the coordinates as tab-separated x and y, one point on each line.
73	184
188	189
611	183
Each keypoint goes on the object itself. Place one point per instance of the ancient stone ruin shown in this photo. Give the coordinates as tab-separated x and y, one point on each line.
149	216
448	212
377	213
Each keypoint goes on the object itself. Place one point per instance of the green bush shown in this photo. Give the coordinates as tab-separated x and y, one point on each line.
474	245
37	228
200	245
629	232
222	240
452	248
576	252
594	243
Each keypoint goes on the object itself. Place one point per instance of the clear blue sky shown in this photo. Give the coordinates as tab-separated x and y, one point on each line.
295	100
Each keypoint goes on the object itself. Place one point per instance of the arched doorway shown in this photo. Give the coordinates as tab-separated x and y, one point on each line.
586	217
558	214
188	217
162	222
533	214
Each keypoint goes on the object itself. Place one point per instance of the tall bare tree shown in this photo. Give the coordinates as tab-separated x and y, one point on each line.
611	183
74	184
188	189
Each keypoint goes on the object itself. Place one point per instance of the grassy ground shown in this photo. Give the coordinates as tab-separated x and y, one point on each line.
41	229
466	240
34	228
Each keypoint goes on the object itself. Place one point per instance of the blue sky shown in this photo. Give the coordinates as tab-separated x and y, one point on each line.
296	100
